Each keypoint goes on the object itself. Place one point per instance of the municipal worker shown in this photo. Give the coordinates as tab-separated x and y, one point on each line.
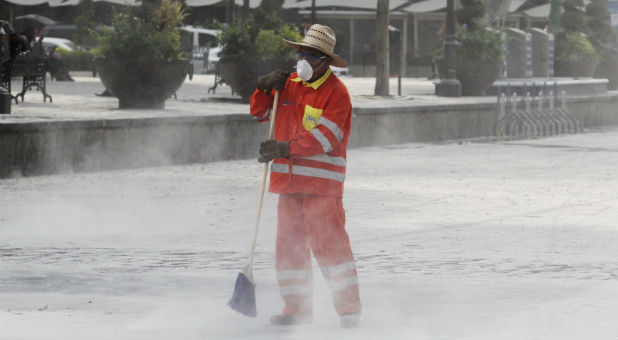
312	127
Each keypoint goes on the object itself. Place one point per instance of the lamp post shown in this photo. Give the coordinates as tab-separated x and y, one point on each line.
555	11
313	12
450	87
231	12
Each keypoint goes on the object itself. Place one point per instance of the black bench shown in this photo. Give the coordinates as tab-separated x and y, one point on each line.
218	80
32	66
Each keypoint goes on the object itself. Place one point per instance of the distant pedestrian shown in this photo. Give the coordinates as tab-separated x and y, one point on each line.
4	45
31	33
18	43
304	26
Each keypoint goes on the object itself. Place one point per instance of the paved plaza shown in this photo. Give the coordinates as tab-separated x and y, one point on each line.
467	240
77	100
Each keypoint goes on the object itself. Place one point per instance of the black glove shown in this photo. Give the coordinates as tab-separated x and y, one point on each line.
274	80
271	149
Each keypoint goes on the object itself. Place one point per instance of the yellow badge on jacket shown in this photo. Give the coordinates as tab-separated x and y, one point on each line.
311	117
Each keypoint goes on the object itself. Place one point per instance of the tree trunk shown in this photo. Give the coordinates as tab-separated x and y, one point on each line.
382	49
313	12
554	16
230	13
245	10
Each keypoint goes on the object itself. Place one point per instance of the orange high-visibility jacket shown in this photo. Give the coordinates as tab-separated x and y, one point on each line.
315	118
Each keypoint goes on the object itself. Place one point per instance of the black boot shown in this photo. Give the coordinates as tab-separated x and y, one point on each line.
286	320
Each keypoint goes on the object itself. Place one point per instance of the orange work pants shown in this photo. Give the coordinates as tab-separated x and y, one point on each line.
310	223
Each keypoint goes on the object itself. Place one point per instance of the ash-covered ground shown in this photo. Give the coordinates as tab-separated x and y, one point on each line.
458	240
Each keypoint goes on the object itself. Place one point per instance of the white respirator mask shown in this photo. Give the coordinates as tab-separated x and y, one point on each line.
304	69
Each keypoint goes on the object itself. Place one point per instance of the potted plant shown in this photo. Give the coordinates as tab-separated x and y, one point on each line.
604	39
479	59
608	66
255	47
139	59
479	51
574	54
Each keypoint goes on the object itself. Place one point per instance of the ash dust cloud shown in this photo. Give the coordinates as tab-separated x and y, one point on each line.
477	237
513	239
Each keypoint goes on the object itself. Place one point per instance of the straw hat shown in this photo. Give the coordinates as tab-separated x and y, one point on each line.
322	38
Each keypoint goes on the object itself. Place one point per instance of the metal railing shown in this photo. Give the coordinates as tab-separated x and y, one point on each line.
538	111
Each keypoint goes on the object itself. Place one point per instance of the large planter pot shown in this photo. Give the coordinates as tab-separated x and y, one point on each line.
608	68
142	85
475	76
241	74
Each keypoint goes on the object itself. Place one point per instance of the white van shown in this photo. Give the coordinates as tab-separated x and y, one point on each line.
204	41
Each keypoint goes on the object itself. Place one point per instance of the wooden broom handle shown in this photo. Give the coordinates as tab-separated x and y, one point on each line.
271	132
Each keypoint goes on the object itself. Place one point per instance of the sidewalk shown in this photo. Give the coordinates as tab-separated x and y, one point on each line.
77	100
80	131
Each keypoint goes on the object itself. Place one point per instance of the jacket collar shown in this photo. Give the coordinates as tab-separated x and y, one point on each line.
317	83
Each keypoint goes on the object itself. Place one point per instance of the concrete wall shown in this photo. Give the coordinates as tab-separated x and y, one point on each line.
420	124
594	111
78	146
58	147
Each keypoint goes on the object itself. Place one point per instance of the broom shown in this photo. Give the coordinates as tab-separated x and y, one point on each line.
243	300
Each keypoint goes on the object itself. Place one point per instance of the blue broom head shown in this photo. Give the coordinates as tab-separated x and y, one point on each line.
243	300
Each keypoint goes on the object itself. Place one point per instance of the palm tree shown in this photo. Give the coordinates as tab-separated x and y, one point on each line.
382	49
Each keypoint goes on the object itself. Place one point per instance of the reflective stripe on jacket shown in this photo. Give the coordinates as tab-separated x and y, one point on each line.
316	119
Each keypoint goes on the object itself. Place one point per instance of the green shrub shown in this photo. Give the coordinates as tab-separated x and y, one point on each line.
475	39
574	47
86	24
471	13
600	33
255	47
479	50
77	60
260	37
483	44
269	45
236	42
144	32
608	68
572	20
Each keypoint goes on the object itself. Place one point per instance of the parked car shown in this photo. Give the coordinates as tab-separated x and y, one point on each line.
201	37
59	31
213	58
205	49
49	43
340	71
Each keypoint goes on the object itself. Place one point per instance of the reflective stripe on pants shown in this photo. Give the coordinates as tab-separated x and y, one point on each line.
310	223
